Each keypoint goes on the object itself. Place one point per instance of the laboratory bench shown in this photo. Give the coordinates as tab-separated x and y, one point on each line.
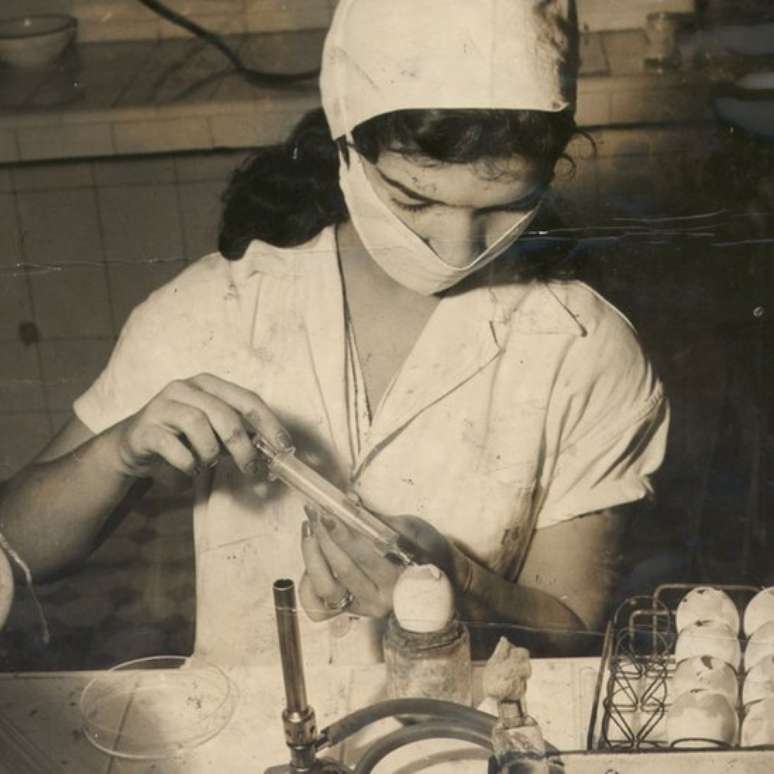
45	709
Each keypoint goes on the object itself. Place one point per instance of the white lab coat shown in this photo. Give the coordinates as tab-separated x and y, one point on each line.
520	406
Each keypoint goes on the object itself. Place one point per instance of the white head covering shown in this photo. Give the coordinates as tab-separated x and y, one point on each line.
386	55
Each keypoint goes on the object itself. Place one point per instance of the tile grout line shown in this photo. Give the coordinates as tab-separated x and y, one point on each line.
180	219
31	299
17	145
132	80
179	200
103	250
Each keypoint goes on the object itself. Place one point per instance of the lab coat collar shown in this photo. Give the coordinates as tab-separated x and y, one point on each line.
466	332
324	322
464	335
291	263
457	342
534	307
312	271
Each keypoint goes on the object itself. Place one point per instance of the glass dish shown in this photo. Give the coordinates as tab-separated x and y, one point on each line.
157	707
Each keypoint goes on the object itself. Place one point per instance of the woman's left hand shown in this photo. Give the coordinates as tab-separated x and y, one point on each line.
344	571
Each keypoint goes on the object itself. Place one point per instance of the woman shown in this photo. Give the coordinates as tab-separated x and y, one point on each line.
393	333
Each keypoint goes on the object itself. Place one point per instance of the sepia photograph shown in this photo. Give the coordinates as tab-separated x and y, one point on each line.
385	386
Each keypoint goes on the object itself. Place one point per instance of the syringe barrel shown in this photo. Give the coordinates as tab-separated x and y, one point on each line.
318	490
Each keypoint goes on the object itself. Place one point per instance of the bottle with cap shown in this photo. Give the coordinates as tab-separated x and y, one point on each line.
517	741
426	648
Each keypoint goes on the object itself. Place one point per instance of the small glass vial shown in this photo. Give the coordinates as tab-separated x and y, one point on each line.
517	742
426	649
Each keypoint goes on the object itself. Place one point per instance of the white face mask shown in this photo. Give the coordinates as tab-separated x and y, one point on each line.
400	253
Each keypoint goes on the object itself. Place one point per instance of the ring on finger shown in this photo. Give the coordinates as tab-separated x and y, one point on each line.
340	605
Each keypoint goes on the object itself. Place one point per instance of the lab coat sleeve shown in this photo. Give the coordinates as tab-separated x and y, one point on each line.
606	429
163	340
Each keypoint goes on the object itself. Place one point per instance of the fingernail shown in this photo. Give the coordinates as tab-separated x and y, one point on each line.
283	441
306	530
311	514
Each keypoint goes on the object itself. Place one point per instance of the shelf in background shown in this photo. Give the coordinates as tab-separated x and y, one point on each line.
139	97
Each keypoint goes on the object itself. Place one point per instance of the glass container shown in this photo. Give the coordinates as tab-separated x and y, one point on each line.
433	665
155	708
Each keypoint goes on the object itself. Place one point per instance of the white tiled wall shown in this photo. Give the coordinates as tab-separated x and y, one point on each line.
81	244
92	239
22	388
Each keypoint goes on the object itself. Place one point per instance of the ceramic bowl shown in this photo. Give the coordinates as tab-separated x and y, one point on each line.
35	41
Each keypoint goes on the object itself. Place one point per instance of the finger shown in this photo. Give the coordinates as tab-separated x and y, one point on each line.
344	569
226	423
248	405
312	604
165	444
362	552
325	586
194	424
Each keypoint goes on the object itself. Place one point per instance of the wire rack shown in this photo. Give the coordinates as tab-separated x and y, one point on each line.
632	692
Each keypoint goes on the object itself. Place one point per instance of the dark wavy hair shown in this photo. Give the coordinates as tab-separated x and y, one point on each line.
288	193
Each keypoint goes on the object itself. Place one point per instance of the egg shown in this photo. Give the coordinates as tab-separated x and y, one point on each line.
423	599
758	724
709	638
759	611
759	682
760	645
708	673
706	604
700	718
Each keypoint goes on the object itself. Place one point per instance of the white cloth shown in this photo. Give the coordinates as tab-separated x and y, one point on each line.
398	250
519	405
403	54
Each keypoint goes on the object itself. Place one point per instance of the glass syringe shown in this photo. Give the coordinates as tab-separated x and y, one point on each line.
285	466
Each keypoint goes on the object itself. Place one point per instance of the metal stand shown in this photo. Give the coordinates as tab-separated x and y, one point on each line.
298	717
443	719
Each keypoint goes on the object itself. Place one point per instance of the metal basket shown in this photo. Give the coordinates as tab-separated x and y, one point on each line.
631	697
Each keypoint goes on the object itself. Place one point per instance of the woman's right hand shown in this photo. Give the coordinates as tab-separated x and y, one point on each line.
191	422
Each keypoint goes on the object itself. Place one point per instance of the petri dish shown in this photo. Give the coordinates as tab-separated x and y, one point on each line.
157	707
